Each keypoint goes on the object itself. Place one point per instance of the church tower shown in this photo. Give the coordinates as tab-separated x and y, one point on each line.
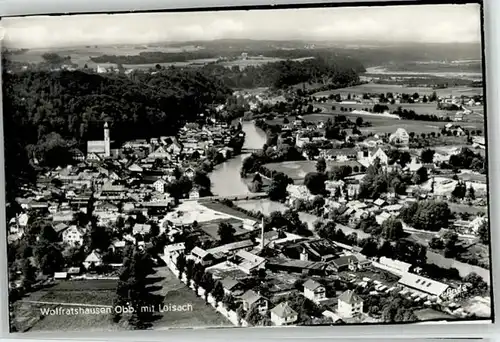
107	142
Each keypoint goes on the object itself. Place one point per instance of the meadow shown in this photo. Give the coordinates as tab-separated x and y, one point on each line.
390	88
86	292
297	170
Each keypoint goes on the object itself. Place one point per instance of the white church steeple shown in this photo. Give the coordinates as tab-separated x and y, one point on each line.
107	141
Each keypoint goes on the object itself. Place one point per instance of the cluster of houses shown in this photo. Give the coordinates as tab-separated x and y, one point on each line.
315	262
108	183
400	98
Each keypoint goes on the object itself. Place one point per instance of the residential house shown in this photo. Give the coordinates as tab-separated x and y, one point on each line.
349	304
340	155
382	217
160	185
135	168
476	223
347	262
314	291
479	142
174	250
201	256
400	137
174	148
194	194
73	236
283	314
230	285
368	157
253	299
141	229
189	172
159	153
94	258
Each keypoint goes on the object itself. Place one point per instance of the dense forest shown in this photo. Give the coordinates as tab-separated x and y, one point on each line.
151	57
370	53
321	69
55	111
288	73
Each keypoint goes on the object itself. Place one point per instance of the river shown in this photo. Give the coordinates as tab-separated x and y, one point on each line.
226	181
225	178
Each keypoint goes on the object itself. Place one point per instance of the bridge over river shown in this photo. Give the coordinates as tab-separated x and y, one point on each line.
241	197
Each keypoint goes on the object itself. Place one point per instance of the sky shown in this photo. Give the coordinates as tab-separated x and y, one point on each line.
414	23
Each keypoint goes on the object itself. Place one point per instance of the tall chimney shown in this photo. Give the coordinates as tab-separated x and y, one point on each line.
262	235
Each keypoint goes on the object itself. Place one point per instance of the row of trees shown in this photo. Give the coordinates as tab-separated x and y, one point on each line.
197	276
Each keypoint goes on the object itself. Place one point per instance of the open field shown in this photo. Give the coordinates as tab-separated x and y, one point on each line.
389	125
82	56
297	170
85	292
211	228
419	108
216	206
464	208
389	88
176	293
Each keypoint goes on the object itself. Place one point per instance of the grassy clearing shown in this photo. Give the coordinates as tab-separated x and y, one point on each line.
419	108
177	293
211	228
85	285
297	170
217	206
389	125
28	315
390	88
80	297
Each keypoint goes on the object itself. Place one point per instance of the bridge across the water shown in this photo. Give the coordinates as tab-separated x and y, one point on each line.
250	150
242	197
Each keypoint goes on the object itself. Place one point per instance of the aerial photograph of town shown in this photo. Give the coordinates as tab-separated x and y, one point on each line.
306	166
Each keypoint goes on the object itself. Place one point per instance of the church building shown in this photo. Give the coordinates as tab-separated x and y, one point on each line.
100	148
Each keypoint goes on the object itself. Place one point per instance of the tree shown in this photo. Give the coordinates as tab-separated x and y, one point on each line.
277	189
208	283
427	156
312	150
471	193
421	175
484	233
450	245
181	264
477	284
253	316
359	121
460	190
218	292
48	233
240	312
321	165
370	247
226	232
49	257
392	229
28	273
315	183
427	215
189	270
436	243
